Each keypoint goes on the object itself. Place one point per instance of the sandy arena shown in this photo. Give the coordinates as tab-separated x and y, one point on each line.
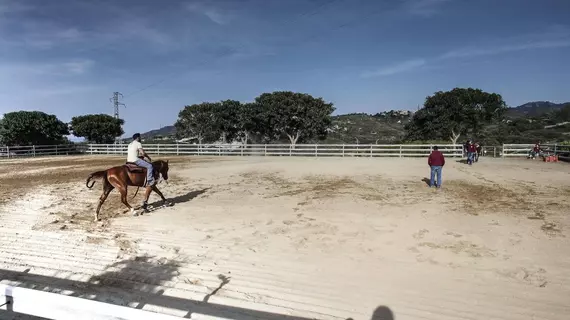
298	238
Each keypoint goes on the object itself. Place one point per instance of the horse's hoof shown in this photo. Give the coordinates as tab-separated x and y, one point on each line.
168	204
96	219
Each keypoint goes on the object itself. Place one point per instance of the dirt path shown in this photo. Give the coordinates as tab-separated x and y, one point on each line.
304	238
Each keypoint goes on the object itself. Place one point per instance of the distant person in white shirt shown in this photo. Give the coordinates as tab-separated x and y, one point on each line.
134	150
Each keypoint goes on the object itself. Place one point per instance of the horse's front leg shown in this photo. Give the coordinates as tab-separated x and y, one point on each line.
164	201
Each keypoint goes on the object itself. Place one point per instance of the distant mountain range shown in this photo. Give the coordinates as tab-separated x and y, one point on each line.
533	109
382	127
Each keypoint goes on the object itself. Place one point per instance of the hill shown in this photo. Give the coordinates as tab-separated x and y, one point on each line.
534	109
157	133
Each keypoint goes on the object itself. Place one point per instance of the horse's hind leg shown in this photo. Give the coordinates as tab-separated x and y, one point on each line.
107	188
123	190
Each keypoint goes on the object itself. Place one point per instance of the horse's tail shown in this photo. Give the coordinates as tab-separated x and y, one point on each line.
98	174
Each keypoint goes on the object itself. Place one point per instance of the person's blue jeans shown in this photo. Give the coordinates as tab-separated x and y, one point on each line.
435	170
149	171
470	156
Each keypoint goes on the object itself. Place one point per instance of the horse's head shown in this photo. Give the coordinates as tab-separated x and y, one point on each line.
161	167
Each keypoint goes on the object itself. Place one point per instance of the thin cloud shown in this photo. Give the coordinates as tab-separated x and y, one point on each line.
425	8
214	14
555	38
78	67
73	67
395	69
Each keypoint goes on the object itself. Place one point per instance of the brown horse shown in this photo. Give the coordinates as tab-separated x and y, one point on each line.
128	175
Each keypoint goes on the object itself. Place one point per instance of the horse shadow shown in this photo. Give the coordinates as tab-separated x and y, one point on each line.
462	161
189	196
427	181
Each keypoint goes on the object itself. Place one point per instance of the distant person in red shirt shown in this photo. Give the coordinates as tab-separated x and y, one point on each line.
436	161
471	150
536	150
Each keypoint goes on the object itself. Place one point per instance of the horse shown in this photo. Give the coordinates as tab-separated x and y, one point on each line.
129	174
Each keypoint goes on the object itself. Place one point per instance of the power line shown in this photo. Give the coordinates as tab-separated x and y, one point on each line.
232	50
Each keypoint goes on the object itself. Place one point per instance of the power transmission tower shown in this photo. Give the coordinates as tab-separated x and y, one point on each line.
116	105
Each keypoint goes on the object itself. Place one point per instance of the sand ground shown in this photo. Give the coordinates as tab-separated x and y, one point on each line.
298	238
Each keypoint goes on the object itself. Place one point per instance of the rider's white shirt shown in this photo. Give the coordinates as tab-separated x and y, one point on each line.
133	151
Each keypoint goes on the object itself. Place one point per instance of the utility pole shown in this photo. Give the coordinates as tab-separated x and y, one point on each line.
116	105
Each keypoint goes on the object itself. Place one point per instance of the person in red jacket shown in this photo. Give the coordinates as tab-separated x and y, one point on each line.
436	161
471	150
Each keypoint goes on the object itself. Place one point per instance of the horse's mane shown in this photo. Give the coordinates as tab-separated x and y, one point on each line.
158	163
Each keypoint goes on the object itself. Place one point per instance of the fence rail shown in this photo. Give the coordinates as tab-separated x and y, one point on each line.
49	305
42	150
523	150
306	150
303	150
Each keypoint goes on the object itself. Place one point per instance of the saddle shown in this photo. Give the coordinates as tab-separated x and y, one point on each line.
133	168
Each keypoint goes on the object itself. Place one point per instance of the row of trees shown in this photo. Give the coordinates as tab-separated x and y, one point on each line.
293	117
279	115
25	128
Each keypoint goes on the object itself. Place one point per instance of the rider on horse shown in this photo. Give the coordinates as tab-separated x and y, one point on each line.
135	148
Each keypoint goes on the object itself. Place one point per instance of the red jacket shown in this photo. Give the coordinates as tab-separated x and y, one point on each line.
471	148
436	158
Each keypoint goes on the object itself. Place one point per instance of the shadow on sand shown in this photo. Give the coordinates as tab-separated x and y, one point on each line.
143	280
189	196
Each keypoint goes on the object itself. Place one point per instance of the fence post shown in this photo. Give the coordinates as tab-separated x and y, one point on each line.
555	148
503	154
8	151
177	152
494	151
343	150
56	150
265	150
290	149
400	151
371	148
158	149
34	150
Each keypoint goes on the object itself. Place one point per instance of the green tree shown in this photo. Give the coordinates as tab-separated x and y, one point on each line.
198	122
298	116
97	128
32	128
226	115
450	114
249	121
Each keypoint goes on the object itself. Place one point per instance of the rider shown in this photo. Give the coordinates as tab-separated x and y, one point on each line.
133	151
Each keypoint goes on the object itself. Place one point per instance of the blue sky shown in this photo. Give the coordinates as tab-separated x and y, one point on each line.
66	57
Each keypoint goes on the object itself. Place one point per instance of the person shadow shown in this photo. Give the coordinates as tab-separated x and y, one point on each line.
381	313
427	181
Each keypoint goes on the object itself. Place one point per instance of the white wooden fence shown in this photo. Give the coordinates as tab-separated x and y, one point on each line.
61	307
307	150
523	150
